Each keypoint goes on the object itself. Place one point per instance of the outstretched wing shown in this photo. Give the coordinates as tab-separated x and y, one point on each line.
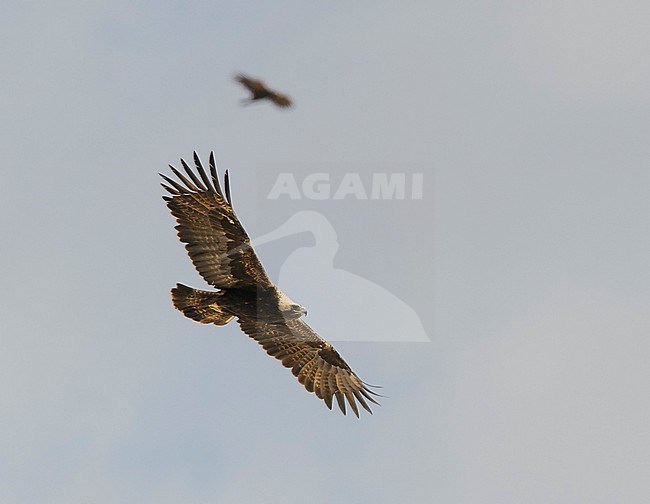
215	240
316	364
255	86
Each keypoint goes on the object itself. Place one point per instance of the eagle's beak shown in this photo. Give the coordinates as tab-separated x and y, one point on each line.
304	311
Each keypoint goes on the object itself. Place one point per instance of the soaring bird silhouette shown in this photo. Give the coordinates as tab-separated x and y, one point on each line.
259	91
222	254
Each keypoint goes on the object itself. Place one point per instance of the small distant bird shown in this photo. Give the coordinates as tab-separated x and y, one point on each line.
259	91
222	253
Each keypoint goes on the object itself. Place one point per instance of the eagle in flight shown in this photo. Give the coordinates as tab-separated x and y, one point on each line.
259	91
222	253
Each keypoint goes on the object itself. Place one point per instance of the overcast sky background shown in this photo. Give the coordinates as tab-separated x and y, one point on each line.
526	259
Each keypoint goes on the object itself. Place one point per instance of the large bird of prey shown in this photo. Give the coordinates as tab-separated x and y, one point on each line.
259	91
222	253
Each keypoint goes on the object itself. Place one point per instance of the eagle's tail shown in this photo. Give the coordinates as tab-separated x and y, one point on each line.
199	305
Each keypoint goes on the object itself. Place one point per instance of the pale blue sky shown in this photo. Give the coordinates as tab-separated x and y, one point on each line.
526	259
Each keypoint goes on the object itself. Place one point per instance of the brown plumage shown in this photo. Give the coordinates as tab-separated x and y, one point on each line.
222	254
259	91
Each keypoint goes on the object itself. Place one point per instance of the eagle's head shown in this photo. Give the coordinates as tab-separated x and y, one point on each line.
289	308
